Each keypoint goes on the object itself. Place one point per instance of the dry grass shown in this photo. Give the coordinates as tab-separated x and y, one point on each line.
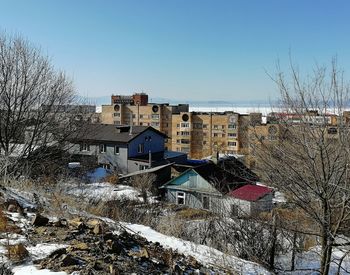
111	179
192	214
17	252
3	222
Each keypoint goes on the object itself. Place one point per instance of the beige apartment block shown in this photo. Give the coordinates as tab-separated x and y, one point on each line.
205	134
136	110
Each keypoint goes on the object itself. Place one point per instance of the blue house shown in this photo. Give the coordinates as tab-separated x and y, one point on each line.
124	148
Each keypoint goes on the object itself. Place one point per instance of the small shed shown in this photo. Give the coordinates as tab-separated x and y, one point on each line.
250	200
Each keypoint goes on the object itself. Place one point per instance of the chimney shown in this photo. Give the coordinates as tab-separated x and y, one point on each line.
130	133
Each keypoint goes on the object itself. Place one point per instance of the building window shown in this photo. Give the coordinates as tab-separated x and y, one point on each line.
141	116
233	135
185	150
117	122
140	148
133	116
178	125
234	210
197	125
185	124
185	141
232	143
156	124
143	167
117	114
216	126
106	166
206	202
205	126
103	148
185	133
116	150
84	147
231	126
215	134
180	198
155	116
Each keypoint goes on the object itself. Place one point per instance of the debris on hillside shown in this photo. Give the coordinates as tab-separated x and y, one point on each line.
93	248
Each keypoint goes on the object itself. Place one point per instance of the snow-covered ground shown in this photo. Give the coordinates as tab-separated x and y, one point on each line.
310	261
36	252
103	191
206	255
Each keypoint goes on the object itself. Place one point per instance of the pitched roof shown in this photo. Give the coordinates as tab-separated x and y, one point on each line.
250	192
222	180
238	169
113	133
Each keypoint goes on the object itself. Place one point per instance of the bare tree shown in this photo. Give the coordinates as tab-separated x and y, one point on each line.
310	161
144	183
32	98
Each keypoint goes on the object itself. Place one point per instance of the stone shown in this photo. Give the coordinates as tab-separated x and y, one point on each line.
98	265
80	246
57	253
97	229
142	253
60	223
113	270
39	220
92	223
12	208
113	246
77	223
68	260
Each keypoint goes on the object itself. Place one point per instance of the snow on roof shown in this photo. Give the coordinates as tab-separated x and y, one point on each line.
145	171
250	192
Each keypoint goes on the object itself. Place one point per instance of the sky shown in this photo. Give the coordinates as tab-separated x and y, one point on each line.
182	49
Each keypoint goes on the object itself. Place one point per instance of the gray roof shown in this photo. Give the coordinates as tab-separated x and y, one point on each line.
113	133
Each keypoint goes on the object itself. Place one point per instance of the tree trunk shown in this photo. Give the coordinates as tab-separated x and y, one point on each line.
273	245
294	251
326	242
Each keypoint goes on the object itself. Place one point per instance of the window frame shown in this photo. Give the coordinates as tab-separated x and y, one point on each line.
140	148
103	148
84	147
180	195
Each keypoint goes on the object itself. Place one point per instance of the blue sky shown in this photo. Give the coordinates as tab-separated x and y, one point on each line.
182	49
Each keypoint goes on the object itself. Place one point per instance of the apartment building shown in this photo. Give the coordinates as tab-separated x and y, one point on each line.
199	134
202	134
136	110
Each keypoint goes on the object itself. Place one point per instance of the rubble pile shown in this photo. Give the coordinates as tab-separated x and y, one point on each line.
92	248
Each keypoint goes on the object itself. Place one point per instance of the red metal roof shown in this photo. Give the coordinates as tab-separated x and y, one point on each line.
250	192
